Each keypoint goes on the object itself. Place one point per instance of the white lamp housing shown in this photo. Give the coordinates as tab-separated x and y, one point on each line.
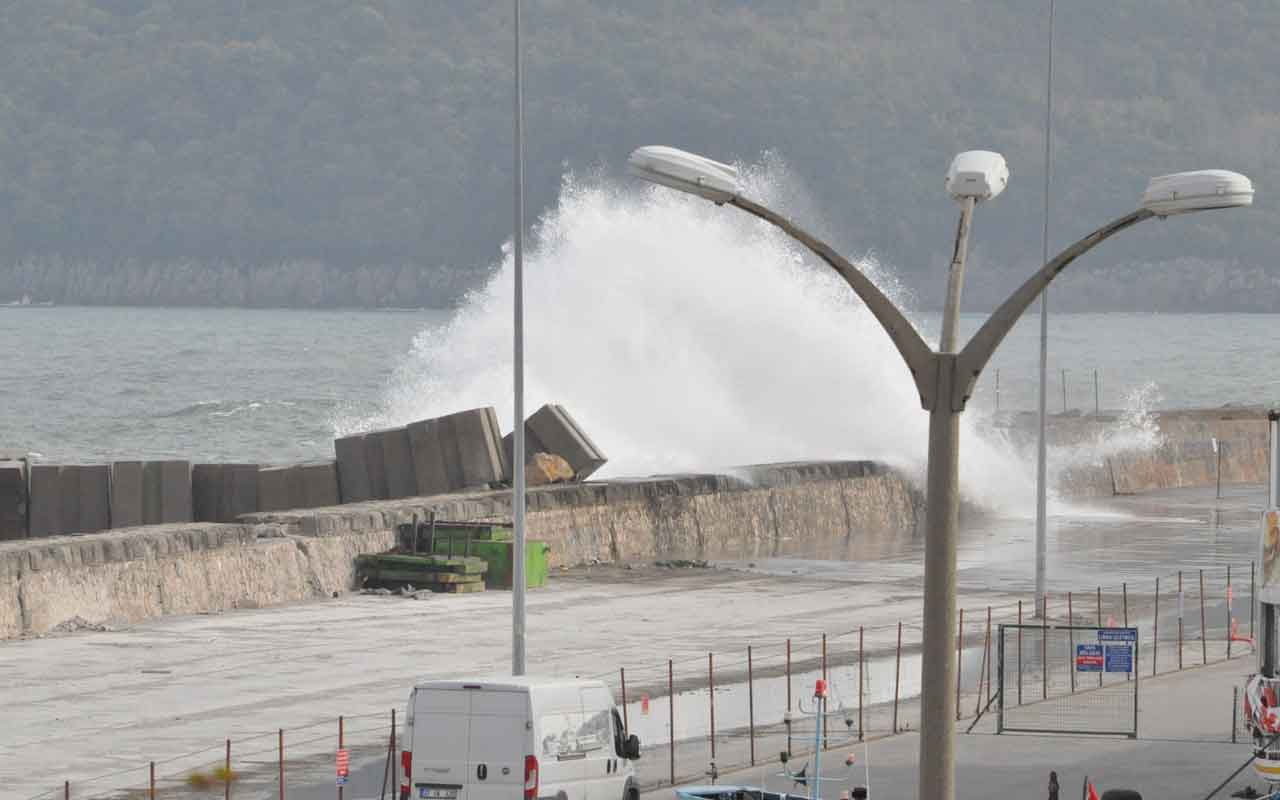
980	174
1197	191
685	171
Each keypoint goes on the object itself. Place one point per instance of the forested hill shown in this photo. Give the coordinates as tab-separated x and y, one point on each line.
317	152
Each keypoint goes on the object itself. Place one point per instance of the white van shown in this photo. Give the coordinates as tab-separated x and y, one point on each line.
490	739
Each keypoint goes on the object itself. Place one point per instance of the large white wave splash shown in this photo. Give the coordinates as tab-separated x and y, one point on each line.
683	336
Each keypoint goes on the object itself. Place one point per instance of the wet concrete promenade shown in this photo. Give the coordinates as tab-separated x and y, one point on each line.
93	703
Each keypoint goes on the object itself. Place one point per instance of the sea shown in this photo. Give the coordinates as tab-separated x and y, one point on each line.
712	345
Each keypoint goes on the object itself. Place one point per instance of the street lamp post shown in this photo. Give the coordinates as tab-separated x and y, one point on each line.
945	380
518	579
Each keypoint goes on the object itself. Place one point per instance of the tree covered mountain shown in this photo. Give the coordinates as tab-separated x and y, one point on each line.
326	152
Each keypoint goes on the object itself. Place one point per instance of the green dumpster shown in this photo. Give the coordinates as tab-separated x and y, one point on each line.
497	552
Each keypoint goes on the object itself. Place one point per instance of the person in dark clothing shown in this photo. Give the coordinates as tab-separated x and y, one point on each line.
1053	785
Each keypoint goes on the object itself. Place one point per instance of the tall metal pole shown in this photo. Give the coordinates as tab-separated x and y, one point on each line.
1042	497
1268	654
942	518
518	580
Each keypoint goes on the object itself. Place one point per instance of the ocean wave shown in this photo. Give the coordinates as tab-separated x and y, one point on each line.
225	408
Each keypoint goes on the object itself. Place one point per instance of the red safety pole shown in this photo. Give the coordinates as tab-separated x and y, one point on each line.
1071	637
990	656
824	656
622	676
152	781
788	674
897	678
711	697
825	740
751	706
1204	645
1124	600
1155	632
1229	599
1044	650
1180	599
341	743
226	775
1019	652
959	652
66	790
860	683
671	700
985	670
1099	625
280	759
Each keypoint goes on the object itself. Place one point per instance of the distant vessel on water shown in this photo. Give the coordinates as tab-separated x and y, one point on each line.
26	302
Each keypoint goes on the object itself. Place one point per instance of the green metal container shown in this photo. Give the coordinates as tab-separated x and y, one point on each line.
498	555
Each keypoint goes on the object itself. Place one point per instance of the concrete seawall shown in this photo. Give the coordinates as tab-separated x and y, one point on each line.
126	575
123	576
1183	457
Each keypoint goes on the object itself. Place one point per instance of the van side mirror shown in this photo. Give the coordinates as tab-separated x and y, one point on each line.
632	747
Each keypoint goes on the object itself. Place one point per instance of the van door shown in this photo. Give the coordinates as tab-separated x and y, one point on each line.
602	765
560	757
441	730
498	741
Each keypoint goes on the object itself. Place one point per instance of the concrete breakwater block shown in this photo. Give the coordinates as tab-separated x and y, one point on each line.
126	494
222	492
13	499
353	469
310	485
44	501
273	489
377	465
150	493
458	451
397	463
69	498
93	497
166	492
552	430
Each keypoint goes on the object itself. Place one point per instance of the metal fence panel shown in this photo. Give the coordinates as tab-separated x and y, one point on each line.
1068	679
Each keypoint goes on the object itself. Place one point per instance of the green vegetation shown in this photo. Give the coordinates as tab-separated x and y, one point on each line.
317	152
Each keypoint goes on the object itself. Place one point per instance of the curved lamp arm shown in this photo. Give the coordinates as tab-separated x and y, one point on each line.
975	355
919	357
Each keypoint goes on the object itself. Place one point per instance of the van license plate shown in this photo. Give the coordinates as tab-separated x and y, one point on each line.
436	793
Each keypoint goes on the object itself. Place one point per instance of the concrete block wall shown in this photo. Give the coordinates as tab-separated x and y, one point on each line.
119	577
353	469
434	456
150	493
551	429
69	498
309	485
458	451
13	499
166	492
222	492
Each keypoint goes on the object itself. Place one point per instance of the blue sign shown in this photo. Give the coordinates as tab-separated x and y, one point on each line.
1089	658
1118	635
1119	658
